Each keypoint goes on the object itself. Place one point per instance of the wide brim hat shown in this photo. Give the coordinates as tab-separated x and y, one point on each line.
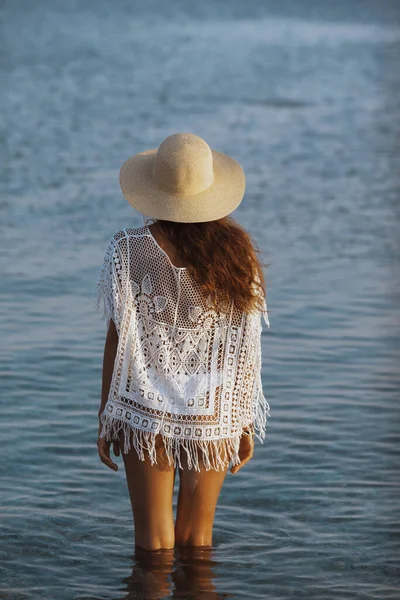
183	180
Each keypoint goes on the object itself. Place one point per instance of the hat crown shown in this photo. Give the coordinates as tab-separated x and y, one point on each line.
184	165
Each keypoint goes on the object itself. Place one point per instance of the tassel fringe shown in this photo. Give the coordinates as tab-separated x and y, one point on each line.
213	454
262	412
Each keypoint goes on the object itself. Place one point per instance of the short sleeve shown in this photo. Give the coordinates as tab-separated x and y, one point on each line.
109	285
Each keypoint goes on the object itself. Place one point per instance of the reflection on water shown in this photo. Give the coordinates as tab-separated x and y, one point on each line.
185	573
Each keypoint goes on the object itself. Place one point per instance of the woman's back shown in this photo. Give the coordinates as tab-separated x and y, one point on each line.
185	370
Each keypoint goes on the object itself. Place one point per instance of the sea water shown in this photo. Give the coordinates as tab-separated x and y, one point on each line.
305	95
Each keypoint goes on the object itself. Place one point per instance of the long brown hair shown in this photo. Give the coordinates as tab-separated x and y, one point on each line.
222	258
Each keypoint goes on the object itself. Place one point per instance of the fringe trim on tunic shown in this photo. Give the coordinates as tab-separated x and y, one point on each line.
262	412
213	454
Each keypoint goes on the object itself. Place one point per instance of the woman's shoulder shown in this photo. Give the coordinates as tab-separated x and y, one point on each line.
129	232
124	240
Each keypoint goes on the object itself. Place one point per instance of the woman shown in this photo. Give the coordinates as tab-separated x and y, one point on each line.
181	385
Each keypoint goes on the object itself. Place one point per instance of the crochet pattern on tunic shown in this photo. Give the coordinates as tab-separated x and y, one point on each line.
182	369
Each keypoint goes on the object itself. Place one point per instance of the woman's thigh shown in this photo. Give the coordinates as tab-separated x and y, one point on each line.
197	501
151	490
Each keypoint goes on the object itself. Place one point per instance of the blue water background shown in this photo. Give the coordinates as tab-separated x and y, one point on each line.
306	96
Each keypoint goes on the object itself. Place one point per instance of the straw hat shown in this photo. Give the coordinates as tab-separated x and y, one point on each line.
183	180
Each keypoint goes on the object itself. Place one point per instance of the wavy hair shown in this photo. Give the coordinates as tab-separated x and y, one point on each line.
222	258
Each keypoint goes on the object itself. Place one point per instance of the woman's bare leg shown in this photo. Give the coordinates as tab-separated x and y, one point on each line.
197	501
151	489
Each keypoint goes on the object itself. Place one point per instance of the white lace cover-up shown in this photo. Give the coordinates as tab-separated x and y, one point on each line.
182	369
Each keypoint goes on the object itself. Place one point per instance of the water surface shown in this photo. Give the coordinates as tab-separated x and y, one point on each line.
307	99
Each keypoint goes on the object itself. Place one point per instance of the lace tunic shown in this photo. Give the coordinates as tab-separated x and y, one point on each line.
182	369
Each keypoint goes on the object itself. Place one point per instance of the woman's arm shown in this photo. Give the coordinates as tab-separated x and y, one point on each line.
110	352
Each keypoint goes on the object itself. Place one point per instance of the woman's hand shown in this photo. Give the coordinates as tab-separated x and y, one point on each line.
246	449
103	448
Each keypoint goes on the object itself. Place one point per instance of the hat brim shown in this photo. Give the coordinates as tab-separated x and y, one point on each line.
220	199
